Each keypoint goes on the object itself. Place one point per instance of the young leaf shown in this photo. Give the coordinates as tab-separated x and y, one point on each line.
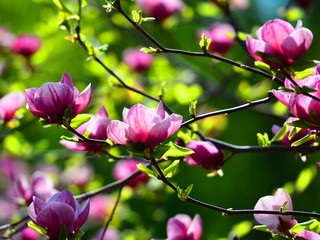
177	151
79	120
151	50
161	150
262	228
171	169
70	139
263	140
193	108
281	134
300	123
146	170
303	74
293	132
262	66
183	194
205	42
137	17
135	147
305	178
303	140
312	225
37	228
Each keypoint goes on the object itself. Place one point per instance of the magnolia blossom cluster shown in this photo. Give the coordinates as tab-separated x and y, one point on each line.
137	60
280	40
300	105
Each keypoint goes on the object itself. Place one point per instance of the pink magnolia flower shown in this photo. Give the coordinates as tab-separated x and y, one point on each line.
97	126
51	100
40	185
144	125
205	154
60	210
182	227
136	60
304	234
302	106
219	32
276	223
302	133
9	104
100	207
279	39
29	234
160	9
124	168
26	45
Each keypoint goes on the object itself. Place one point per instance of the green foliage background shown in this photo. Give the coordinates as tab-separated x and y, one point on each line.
247	177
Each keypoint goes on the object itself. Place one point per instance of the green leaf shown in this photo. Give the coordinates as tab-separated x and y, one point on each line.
37	228
161	150
162	91
79	120
305	89
300	123
135	147
70	139
63	233
146	170
242	36
151	50
262	66
186	137
303	74
293	132
281	134
183	194
100	50
302	64
263	140
193	108
262	228
312	225
137	17
171	169
77	235
284	89
205	42
177	151
303	140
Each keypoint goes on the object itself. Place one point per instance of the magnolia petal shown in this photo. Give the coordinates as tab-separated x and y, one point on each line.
160	110
195	228
177	226
10	103
283	97
29	94
297	43
64	196
74	145
102	112
54	216
66	79
82	216
254	45
82	101
117	132
275	32
280	197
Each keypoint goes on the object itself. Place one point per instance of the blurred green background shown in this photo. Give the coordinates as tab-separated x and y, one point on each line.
247	177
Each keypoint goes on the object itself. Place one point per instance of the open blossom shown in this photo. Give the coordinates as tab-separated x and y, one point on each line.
137	60
97	126
205	154
61	210
160	9
124	168
144	125
182	227
281	40
276	223
302	106
29	234
9	104
51	100
40	185
302	133
26	45
219	33
100	207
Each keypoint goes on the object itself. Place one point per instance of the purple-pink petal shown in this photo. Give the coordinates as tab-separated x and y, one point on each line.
82	100
177	226
275	32
195	228
9	104
117	132
82	216
297	43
